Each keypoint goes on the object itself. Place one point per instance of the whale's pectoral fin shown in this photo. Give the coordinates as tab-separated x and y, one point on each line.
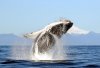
29	35
32	35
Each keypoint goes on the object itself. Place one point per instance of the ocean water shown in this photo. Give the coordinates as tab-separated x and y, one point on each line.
77	57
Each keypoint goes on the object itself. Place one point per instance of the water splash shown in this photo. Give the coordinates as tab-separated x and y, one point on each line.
25	52
21	52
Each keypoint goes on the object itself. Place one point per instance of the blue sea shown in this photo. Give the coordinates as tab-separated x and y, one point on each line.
77	57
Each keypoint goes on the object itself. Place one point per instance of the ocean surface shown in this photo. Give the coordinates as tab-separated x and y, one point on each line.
77	57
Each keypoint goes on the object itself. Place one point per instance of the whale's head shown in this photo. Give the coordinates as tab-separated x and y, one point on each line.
61	27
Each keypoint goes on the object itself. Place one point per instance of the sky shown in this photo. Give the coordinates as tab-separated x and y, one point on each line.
23	16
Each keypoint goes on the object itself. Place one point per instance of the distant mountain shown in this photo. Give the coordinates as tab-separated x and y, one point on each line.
77	36
11	39
82	39
76	30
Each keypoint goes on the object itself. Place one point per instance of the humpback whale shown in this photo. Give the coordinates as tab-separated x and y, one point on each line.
45	39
